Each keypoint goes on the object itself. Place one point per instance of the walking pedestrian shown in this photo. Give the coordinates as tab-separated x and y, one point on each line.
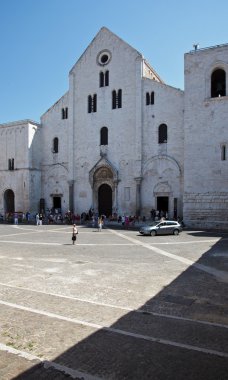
74	234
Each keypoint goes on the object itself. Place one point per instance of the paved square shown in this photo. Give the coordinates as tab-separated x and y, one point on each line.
116	305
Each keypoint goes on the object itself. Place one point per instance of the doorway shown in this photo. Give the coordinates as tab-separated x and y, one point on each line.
9	205
105	200
57	203
163	204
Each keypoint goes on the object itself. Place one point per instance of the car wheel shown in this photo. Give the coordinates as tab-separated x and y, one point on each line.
176	232
152	233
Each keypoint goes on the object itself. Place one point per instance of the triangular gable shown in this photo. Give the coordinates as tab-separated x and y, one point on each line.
103	162
101	32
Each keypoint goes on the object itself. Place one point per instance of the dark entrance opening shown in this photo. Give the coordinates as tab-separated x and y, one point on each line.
9	201
57	203
163	204
105	200
218	83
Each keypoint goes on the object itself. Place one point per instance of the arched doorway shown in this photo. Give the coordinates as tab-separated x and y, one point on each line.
9	201
105	200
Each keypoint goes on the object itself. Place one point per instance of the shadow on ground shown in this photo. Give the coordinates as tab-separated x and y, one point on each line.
146	344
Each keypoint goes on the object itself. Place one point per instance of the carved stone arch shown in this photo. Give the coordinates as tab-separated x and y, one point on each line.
55	168
103	170
161	162
103	175
162	189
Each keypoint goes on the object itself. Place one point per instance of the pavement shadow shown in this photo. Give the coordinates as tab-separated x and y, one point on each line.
158	341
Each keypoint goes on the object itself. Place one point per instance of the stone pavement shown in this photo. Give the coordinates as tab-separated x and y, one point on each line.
115	306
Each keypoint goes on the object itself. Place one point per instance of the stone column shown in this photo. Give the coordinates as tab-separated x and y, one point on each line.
138	195
115	206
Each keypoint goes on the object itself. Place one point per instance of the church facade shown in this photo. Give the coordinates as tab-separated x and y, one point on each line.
121	141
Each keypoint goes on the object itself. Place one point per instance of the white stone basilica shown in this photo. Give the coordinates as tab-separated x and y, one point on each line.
122	141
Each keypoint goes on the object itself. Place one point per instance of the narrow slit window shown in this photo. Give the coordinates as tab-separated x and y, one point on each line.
55	145
107	78
104	136
147	98
95	103
223	152
101	79
89	104
65	113
114	99
11	164
120	98
162	134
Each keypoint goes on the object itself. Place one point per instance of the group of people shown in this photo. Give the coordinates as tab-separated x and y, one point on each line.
157	215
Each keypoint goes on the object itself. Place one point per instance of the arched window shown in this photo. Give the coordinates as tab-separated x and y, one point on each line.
104	136
55	145
104	78
92	103
101	79
149	98
218	83
162	134
116	99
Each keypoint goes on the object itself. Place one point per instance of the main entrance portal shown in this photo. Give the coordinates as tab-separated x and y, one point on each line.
105	200
163	204
9	201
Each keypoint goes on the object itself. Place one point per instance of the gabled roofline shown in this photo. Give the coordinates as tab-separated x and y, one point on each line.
57	101
106	29
20	122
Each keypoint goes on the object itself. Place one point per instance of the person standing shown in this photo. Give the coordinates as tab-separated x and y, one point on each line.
100	223
15	218
40	219
74	234
37	219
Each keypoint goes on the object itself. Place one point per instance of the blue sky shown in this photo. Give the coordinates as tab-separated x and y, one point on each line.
42	39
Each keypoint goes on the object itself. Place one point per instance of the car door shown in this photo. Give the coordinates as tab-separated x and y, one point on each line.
169	227
161	228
